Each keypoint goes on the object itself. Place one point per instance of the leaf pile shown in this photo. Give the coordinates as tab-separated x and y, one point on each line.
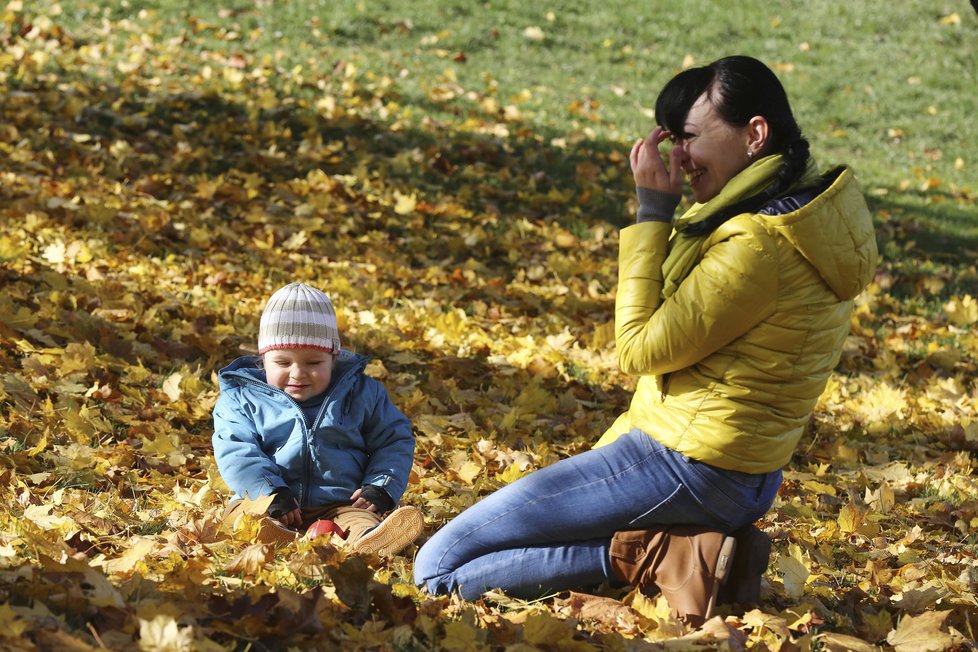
156	190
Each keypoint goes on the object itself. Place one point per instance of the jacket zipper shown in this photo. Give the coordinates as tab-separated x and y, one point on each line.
307	428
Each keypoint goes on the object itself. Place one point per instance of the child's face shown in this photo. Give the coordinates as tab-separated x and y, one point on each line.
300	373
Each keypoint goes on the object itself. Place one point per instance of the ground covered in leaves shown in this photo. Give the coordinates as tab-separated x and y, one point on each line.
153	192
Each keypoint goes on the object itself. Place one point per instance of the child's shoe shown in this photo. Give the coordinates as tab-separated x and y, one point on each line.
394	533
271	531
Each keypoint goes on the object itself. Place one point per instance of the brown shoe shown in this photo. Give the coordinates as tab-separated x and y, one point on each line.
686	563
743	587
271	531
397	531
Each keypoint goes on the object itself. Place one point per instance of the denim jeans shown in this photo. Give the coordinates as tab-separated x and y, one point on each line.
551	530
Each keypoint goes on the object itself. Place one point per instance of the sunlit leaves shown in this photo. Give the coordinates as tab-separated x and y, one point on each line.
156	188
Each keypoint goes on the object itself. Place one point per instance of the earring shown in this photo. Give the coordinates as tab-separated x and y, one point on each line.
750	154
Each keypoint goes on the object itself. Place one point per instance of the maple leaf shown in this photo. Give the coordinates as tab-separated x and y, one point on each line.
162	634
11	624
795	571
924	633
834	642
251	560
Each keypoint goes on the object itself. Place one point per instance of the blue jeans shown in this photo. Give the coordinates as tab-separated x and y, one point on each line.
551	530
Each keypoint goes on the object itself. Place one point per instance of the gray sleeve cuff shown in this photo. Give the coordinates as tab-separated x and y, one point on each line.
655	205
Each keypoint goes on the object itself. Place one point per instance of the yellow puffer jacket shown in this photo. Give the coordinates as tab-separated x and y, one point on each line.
734	334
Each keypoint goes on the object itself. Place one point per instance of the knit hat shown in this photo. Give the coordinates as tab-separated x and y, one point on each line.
298	316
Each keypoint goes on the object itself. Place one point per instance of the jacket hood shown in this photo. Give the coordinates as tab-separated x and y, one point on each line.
834	232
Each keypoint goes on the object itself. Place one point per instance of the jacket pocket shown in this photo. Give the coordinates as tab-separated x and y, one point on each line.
679	508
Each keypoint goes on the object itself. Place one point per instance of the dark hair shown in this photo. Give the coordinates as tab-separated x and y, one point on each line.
740	88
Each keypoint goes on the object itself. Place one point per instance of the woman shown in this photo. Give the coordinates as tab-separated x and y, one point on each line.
733	316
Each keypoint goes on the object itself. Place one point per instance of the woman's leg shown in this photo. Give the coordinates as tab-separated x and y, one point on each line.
556	523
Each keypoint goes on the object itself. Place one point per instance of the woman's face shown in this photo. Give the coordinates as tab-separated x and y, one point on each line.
712	152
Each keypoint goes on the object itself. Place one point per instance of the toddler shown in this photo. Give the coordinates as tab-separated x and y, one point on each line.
303	423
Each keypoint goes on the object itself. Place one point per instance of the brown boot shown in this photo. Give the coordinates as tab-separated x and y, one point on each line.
687	563
743	587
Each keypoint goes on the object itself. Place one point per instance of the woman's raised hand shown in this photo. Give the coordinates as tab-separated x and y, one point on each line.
650	170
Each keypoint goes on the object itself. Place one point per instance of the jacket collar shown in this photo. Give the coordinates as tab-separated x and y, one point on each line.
749	181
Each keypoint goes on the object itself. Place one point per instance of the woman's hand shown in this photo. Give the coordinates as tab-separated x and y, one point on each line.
362	503
650	170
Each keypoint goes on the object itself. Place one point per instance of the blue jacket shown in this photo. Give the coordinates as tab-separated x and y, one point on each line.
261	439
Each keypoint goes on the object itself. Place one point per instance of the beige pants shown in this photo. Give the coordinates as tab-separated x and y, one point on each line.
354	521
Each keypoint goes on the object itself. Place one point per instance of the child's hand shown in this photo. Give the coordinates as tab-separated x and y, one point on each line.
362	503
291	519
285	508
372	498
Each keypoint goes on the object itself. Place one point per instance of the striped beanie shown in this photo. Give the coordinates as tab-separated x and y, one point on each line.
298	316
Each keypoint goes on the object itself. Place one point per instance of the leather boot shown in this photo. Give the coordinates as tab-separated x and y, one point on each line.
743	586
686	563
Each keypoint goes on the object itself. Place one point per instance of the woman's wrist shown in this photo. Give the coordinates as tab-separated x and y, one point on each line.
656	205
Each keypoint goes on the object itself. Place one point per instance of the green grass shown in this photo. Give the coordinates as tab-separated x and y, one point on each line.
888	88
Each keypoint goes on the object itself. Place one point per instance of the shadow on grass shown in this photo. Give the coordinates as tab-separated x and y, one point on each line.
927	224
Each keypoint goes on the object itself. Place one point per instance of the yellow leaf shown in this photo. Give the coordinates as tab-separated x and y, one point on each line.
565	239
99	591
951	19
923	633
55	252
468	471
543	630
459	636
512	473
405	204
11	624
656	608
819	487
256	507
850	518
882	500
842	643
962	312
171	386
136	551
252	559
12	249
295	241
534	33
795	571
162	634
757	619
41	516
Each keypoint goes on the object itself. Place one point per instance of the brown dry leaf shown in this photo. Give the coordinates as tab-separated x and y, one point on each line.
759	620
924	633
834	642
607	612
160	176
251	560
